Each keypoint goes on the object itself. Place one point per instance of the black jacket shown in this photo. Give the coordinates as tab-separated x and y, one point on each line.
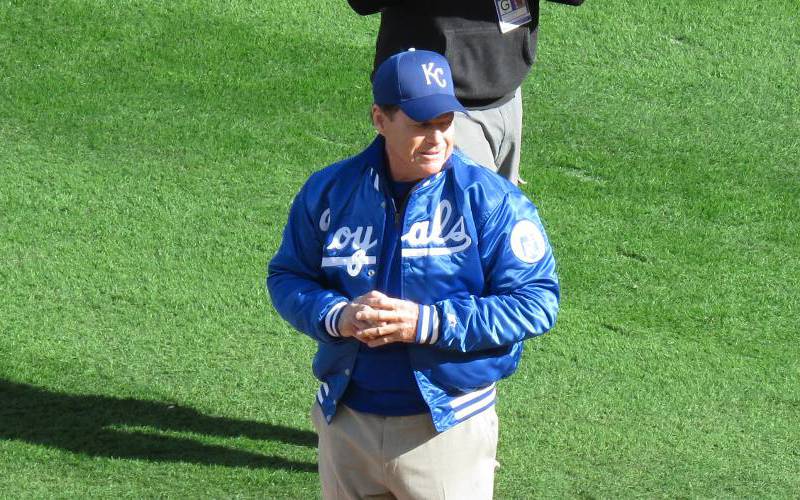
487	65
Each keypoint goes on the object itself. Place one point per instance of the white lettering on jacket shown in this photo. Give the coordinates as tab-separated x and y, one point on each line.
359	240
325	220
427	233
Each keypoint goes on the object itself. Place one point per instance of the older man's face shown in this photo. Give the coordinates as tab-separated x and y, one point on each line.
415	149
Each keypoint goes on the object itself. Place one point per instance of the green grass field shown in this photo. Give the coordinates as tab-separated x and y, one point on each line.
148	155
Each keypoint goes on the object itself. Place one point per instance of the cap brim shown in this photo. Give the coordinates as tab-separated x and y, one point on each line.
429	107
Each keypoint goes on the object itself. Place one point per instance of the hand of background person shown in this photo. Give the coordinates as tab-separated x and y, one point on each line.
389	320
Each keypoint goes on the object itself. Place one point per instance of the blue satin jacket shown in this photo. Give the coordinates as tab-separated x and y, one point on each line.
474	256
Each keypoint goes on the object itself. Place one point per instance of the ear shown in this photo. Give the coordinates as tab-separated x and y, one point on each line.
378	119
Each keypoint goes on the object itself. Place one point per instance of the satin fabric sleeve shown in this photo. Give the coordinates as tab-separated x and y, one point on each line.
522	292
295	282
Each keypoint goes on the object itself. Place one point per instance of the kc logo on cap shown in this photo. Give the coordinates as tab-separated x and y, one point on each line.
431	71
419	81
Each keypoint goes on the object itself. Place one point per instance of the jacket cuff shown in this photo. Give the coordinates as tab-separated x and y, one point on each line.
427	325
331	319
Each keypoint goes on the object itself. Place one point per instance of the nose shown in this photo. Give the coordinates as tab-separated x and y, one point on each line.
435	135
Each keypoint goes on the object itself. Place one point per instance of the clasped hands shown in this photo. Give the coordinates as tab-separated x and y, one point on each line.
377	319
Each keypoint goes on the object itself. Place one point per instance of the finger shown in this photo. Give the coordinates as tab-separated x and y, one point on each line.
373	295
386	339
362	325
392	304
387	301
367	301
363	340
361	300
379	316
382	302
379	331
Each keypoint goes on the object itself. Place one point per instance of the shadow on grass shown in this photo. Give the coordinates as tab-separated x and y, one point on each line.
85	424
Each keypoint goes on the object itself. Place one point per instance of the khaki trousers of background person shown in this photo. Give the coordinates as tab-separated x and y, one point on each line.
492	137
370	456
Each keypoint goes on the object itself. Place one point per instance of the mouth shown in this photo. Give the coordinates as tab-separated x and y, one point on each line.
429	154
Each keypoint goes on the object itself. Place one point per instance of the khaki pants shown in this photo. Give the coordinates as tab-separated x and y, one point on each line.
493	137
369	456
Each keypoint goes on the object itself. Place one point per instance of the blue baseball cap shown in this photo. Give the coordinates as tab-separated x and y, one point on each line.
419	81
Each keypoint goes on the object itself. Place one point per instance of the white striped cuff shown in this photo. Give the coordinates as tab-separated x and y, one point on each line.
332	319
427	325
323	392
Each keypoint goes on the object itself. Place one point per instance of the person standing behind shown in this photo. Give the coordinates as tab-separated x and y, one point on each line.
491	46
419	276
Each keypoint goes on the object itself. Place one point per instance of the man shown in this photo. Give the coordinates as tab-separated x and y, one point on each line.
419	276
491	45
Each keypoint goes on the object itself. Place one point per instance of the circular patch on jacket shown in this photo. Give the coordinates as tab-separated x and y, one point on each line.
527	242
